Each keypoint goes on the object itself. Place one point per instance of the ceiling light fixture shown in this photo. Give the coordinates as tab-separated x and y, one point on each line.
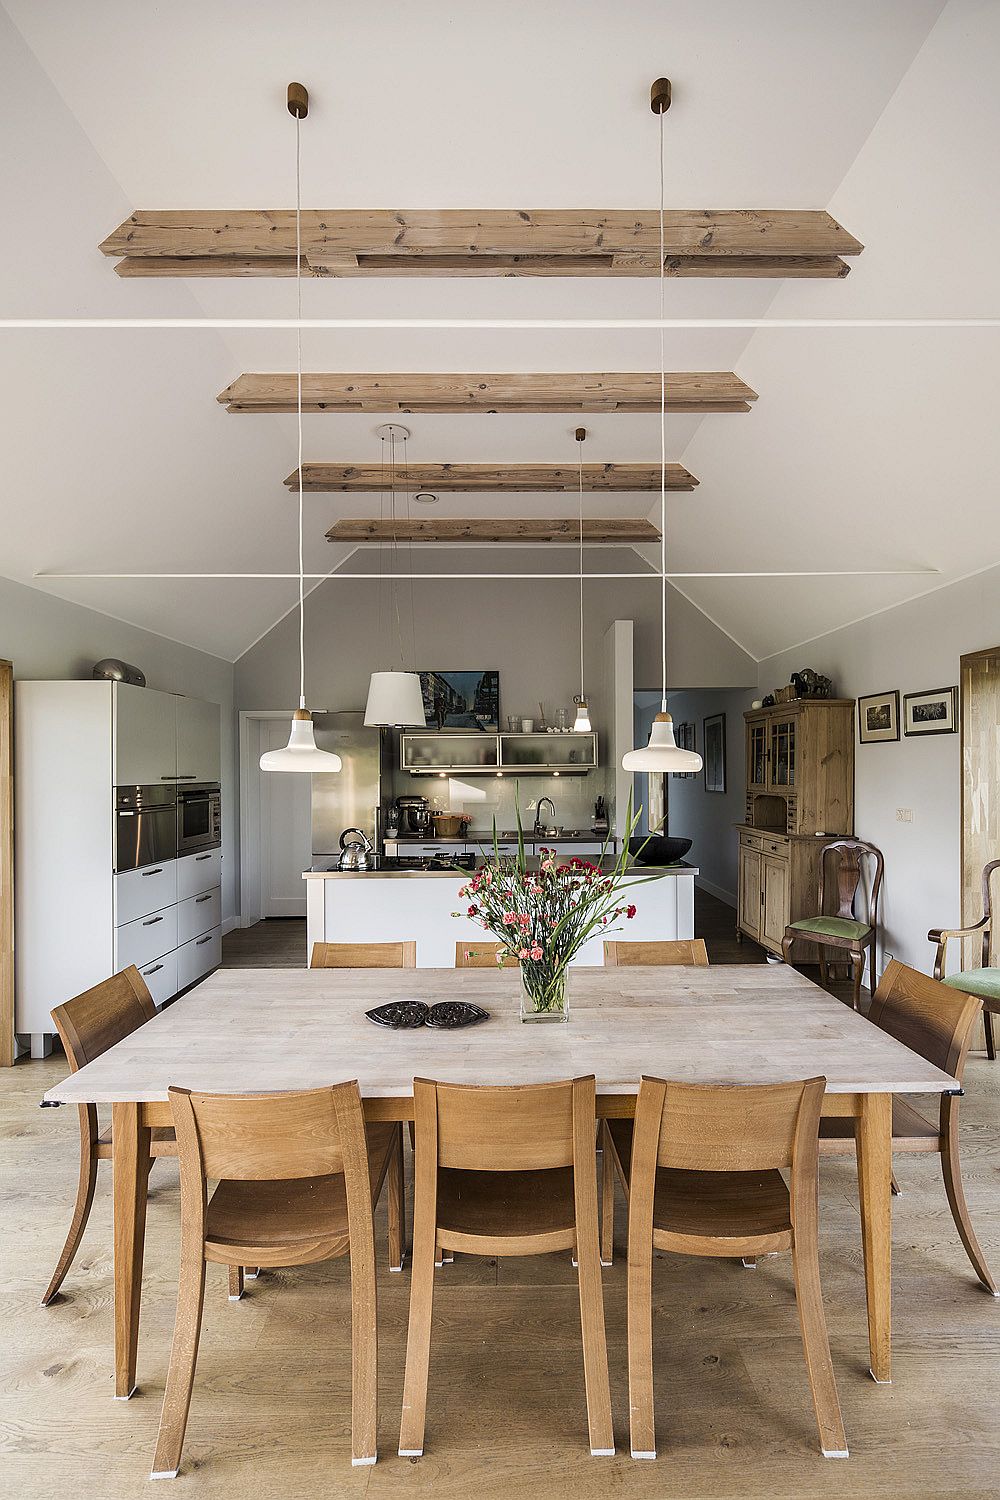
581	724
301	753
395	699
426	498
661	753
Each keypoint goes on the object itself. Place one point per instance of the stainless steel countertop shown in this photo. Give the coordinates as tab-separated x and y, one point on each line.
463	875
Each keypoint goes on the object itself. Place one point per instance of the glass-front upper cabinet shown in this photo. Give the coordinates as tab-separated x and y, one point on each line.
549	752
782	737
448	752
757	753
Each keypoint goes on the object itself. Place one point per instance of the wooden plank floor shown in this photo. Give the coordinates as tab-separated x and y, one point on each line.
270	1415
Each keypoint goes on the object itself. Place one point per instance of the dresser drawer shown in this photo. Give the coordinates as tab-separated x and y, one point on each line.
150	937
198	958
198	914
138	892
198	872
161	977
751	841
775	844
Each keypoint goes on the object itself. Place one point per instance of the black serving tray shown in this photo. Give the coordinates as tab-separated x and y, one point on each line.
447	1015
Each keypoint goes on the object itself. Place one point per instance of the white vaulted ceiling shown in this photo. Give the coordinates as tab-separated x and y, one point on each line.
867	448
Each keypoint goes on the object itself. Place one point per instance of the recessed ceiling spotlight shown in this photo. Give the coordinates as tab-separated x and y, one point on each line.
426	498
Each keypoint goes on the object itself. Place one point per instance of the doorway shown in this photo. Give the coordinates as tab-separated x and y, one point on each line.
980	782
275	825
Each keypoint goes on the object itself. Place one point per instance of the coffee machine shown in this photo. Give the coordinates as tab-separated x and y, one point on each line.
414	816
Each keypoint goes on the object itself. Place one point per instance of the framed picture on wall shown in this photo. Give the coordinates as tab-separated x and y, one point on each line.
714	730
685	738
933	712
461	700
878	718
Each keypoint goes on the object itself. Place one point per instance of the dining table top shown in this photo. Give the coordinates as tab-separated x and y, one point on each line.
264	1030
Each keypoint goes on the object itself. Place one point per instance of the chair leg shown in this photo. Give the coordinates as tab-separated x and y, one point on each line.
816	1345
235	1283
418	1334
81	1213
642	1434
397	1205
180	1376
607	1198
595	1344
824	975
952	1171
857	970
991	1050
895	1187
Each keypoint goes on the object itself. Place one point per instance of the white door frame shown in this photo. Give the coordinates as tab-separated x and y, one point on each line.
251	908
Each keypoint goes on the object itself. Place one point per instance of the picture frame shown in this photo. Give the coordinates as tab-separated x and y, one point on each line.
466	702
685	737
714	739
878	718
932	712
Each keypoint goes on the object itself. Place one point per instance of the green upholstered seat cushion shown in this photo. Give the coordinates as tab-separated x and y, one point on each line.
839	927
982	982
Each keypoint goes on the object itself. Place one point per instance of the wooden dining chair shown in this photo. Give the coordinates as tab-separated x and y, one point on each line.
483	956
680	951
364	956
843	930
298	1176
984	981
937	1021
88	1025
706	1180
505	1171
688	951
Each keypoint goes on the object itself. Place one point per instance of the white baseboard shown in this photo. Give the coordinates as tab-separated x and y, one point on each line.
229	924
729	897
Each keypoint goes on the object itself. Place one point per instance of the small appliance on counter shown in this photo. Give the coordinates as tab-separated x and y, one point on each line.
600	824
414	818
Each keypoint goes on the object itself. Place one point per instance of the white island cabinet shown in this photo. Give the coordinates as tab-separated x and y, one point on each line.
401	905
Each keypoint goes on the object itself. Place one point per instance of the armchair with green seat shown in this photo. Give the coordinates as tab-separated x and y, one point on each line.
984	981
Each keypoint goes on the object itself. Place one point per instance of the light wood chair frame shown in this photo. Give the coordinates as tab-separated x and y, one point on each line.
936	1021
270	1139
690	952
700	1129
363	955
522	1128
849	877
985	928
472	955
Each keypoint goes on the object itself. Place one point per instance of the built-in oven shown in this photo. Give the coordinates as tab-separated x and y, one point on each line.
199	817
145	826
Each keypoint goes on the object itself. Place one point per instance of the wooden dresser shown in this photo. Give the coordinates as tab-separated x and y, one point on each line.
799	784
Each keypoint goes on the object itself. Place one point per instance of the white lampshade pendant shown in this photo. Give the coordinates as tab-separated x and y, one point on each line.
395	701
301	753
661	753
582	724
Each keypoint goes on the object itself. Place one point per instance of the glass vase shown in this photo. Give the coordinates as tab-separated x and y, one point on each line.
543	994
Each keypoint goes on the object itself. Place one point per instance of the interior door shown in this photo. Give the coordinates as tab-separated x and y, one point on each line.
285	843
199	755
750	891
980	787
774	905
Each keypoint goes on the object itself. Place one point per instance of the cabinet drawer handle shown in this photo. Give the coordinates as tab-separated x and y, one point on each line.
206	939
157	871
207	897
202	856
154	970
152	921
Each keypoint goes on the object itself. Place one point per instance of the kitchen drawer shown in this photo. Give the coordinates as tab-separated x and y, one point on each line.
139	892
198	872
198	914
198	958
161	977
141	941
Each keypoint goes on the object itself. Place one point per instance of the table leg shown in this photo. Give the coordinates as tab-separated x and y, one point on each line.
874	1147
130	1166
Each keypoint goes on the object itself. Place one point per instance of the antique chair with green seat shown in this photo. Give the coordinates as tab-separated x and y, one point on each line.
937	1022
843	930
984	981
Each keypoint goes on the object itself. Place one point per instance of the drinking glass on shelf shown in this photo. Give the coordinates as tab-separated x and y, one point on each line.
561	724
527	726
512	723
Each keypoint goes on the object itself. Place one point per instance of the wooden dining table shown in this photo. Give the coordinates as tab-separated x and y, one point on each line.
263	1030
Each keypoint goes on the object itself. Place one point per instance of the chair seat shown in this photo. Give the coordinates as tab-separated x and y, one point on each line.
503	1205
162	1142
982	982
835	927
288	1215
910	1131
743	1208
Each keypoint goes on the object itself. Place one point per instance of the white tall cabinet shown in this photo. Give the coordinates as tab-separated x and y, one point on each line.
76	920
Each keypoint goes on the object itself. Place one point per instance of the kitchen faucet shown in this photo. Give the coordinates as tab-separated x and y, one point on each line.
539	828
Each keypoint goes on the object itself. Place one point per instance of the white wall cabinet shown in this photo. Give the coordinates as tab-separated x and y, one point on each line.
199	751
145	736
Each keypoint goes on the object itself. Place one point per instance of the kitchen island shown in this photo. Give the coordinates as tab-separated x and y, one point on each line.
378	906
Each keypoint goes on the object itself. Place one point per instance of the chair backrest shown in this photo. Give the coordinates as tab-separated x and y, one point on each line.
364	956
92	1022
690	952
518	1128
730	1128
925	1015
474	955
851	855
991	950
268	1137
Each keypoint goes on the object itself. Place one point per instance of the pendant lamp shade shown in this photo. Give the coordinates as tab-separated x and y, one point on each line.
301	753
661	753
395	701
582	724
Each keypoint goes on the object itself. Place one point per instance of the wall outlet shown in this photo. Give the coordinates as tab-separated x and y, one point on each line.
904	814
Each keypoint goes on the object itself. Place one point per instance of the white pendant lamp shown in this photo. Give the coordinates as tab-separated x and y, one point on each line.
581	724
301	753
661	753
395	699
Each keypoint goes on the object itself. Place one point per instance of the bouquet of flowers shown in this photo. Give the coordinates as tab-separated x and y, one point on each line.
543	911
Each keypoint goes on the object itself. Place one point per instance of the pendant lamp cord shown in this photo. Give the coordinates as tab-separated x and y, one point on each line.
298	406
663	451
579	445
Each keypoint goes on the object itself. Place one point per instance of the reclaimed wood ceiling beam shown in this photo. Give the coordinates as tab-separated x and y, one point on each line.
482	242
699	391
488	478
522	529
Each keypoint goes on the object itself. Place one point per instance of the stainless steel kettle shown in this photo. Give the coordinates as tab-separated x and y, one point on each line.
358	854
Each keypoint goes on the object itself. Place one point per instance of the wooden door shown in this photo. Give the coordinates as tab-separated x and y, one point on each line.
6	864
749	891
774	913
980	781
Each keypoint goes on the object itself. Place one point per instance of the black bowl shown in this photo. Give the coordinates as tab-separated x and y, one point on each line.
657	850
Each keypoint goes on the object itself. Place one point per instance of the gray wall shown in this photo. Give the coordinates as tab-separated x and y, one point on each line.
50	639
